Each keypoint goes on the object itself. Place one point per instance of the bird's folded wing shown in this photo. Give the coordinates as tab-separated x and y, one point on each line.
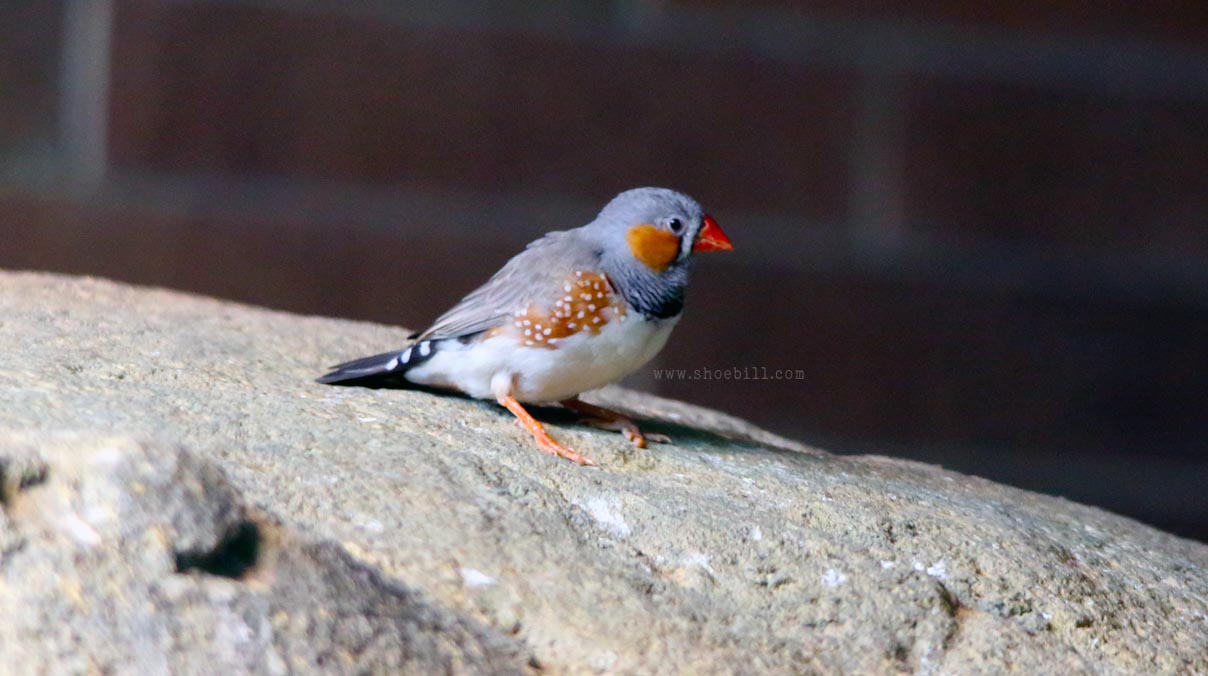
535	275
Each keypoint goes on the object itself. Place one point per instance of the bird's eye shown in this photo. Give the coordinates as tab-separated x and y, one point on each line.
676	225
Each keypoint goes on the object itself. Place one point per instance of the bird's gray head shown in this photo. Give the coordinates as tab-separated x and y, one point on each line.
658	228
646	237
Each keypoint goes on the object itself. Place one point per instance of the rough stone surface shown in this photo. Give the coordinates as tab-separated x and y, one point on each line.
125	557
151	431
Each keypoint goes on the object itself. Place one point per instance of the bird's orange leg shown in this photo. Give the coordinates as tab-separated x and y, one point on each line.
543	439
611	420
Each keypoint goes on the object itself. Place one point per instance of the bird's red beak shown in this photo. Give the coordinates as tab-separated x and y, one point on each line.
711	238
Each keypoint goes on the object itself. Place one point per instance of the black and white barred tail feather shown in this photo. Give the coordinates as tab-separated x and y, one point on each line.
381	370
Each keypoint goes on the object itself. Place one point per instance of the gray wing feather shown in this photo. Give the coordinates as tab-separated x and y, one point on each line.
536	273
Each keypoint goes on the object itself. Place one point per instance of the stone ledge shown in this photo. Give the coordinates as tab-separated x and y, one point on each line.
729	550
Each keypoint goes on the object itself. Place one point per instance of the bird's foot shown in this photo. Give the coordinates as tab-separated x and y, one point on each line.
548	445
605	419
544	441
628	428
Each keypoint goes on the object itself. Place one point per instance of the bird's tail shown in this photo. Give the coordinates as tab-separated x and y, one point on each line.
388	369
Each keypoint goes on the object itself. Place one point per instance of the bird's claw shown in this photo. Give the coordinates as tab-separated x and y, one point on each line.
631	431
605	419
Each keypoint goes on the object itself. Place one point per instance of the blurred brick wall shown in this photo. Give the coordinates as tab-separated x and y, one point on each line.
979	230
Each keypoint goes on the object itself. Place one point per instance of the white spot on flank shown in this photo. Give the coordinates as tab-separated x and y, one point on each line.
475	578
566	287
581	314
425	348
607	514
392	364
591	308
571	325
567	298
585	296
833	578
528	332
596	320
578	273
406	356
527	322
547	331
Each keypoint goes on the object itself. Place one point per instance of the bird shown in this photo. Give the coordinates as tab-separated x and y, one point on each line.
574	311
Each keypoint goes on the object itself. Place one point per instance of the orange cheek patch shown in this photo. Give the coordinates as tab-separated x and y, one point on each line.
654	247
586	304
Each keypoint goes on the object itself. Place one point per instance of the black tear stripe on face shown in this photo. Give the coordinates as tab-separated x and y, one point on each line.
686	237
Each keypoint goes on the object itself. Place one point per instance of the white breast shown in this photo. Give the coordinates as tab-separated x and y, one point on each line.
580	362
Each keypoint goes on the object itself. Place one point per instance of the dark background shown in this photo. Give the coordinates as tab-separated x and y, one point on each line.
979	229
